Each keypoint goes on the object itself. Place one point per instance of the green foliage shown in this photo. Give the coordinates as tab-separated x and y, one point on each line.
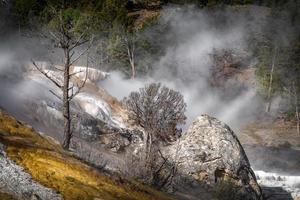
117	48
104	13
72	20
286	77
22	9
270	42
263	68
113	12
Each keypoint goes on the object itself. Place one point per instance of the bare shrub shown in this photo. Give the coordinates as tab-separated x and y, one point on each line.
160	111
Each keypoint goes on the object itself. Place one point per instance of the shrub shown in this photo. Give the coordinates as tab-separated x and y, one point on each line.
159	110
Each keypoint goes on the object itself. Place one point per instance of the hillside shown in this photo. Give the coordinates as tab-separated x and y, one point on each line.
150	99
50	166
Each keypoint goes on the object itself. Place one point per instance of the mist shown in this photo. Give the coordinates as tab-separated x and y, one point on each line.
187	64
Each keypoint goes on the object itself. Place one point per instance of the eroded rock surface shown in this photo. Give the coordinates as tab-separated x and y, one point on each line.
210	153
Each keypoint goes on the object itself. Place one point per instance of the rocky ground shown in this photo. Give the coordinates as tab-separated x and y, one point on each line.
273	149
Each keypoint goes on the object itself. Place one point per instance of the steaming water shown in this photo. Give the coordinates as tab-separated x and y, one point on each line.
290	183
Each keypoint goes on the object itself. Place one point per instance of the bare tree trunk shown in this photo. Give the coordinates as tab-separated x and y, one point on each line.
130	52
148	145
269	97
64	40
297	110
132	69
66	102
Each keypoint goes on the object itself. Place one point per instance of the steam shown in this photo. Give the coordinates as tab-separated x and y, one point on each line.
5	59
186	66
15	90
188	41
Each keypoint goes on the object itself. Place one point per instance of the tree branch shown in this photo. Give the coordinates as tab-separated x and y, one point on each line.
54	36
52	92
78	41
70	75
46	75
82	53
77	58
58	69
82	85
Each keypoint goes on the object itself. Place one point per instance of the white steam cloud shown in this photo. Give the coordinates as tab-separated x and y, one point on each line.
186	66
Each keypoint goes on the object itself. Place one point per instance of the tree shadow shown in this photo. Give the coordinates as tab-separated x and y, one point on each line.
276	193
275	159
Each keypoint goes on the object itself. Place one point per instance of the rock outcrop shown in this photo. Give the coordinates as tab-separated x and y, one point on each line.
210	153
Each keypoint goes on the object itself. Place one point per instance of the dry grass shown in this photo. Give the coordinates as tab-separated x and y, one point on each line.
51	166
5	196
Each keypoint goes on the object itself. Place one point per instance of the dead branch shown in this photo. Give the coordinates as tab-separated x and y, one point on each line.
78	41
73	74
56	95
83	52
82	85
54	36
58	69
46	75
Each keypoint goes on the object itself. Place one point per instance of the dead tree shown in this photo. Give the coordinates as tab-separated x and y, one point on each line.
159	110
129	41
65	38
295	95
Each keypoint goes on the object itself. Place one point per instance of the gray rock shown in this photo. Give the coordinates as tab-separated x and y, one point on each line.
209	153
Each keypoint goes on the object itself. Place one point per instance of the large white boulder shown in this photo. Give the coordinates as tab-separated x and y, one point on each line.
210	153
